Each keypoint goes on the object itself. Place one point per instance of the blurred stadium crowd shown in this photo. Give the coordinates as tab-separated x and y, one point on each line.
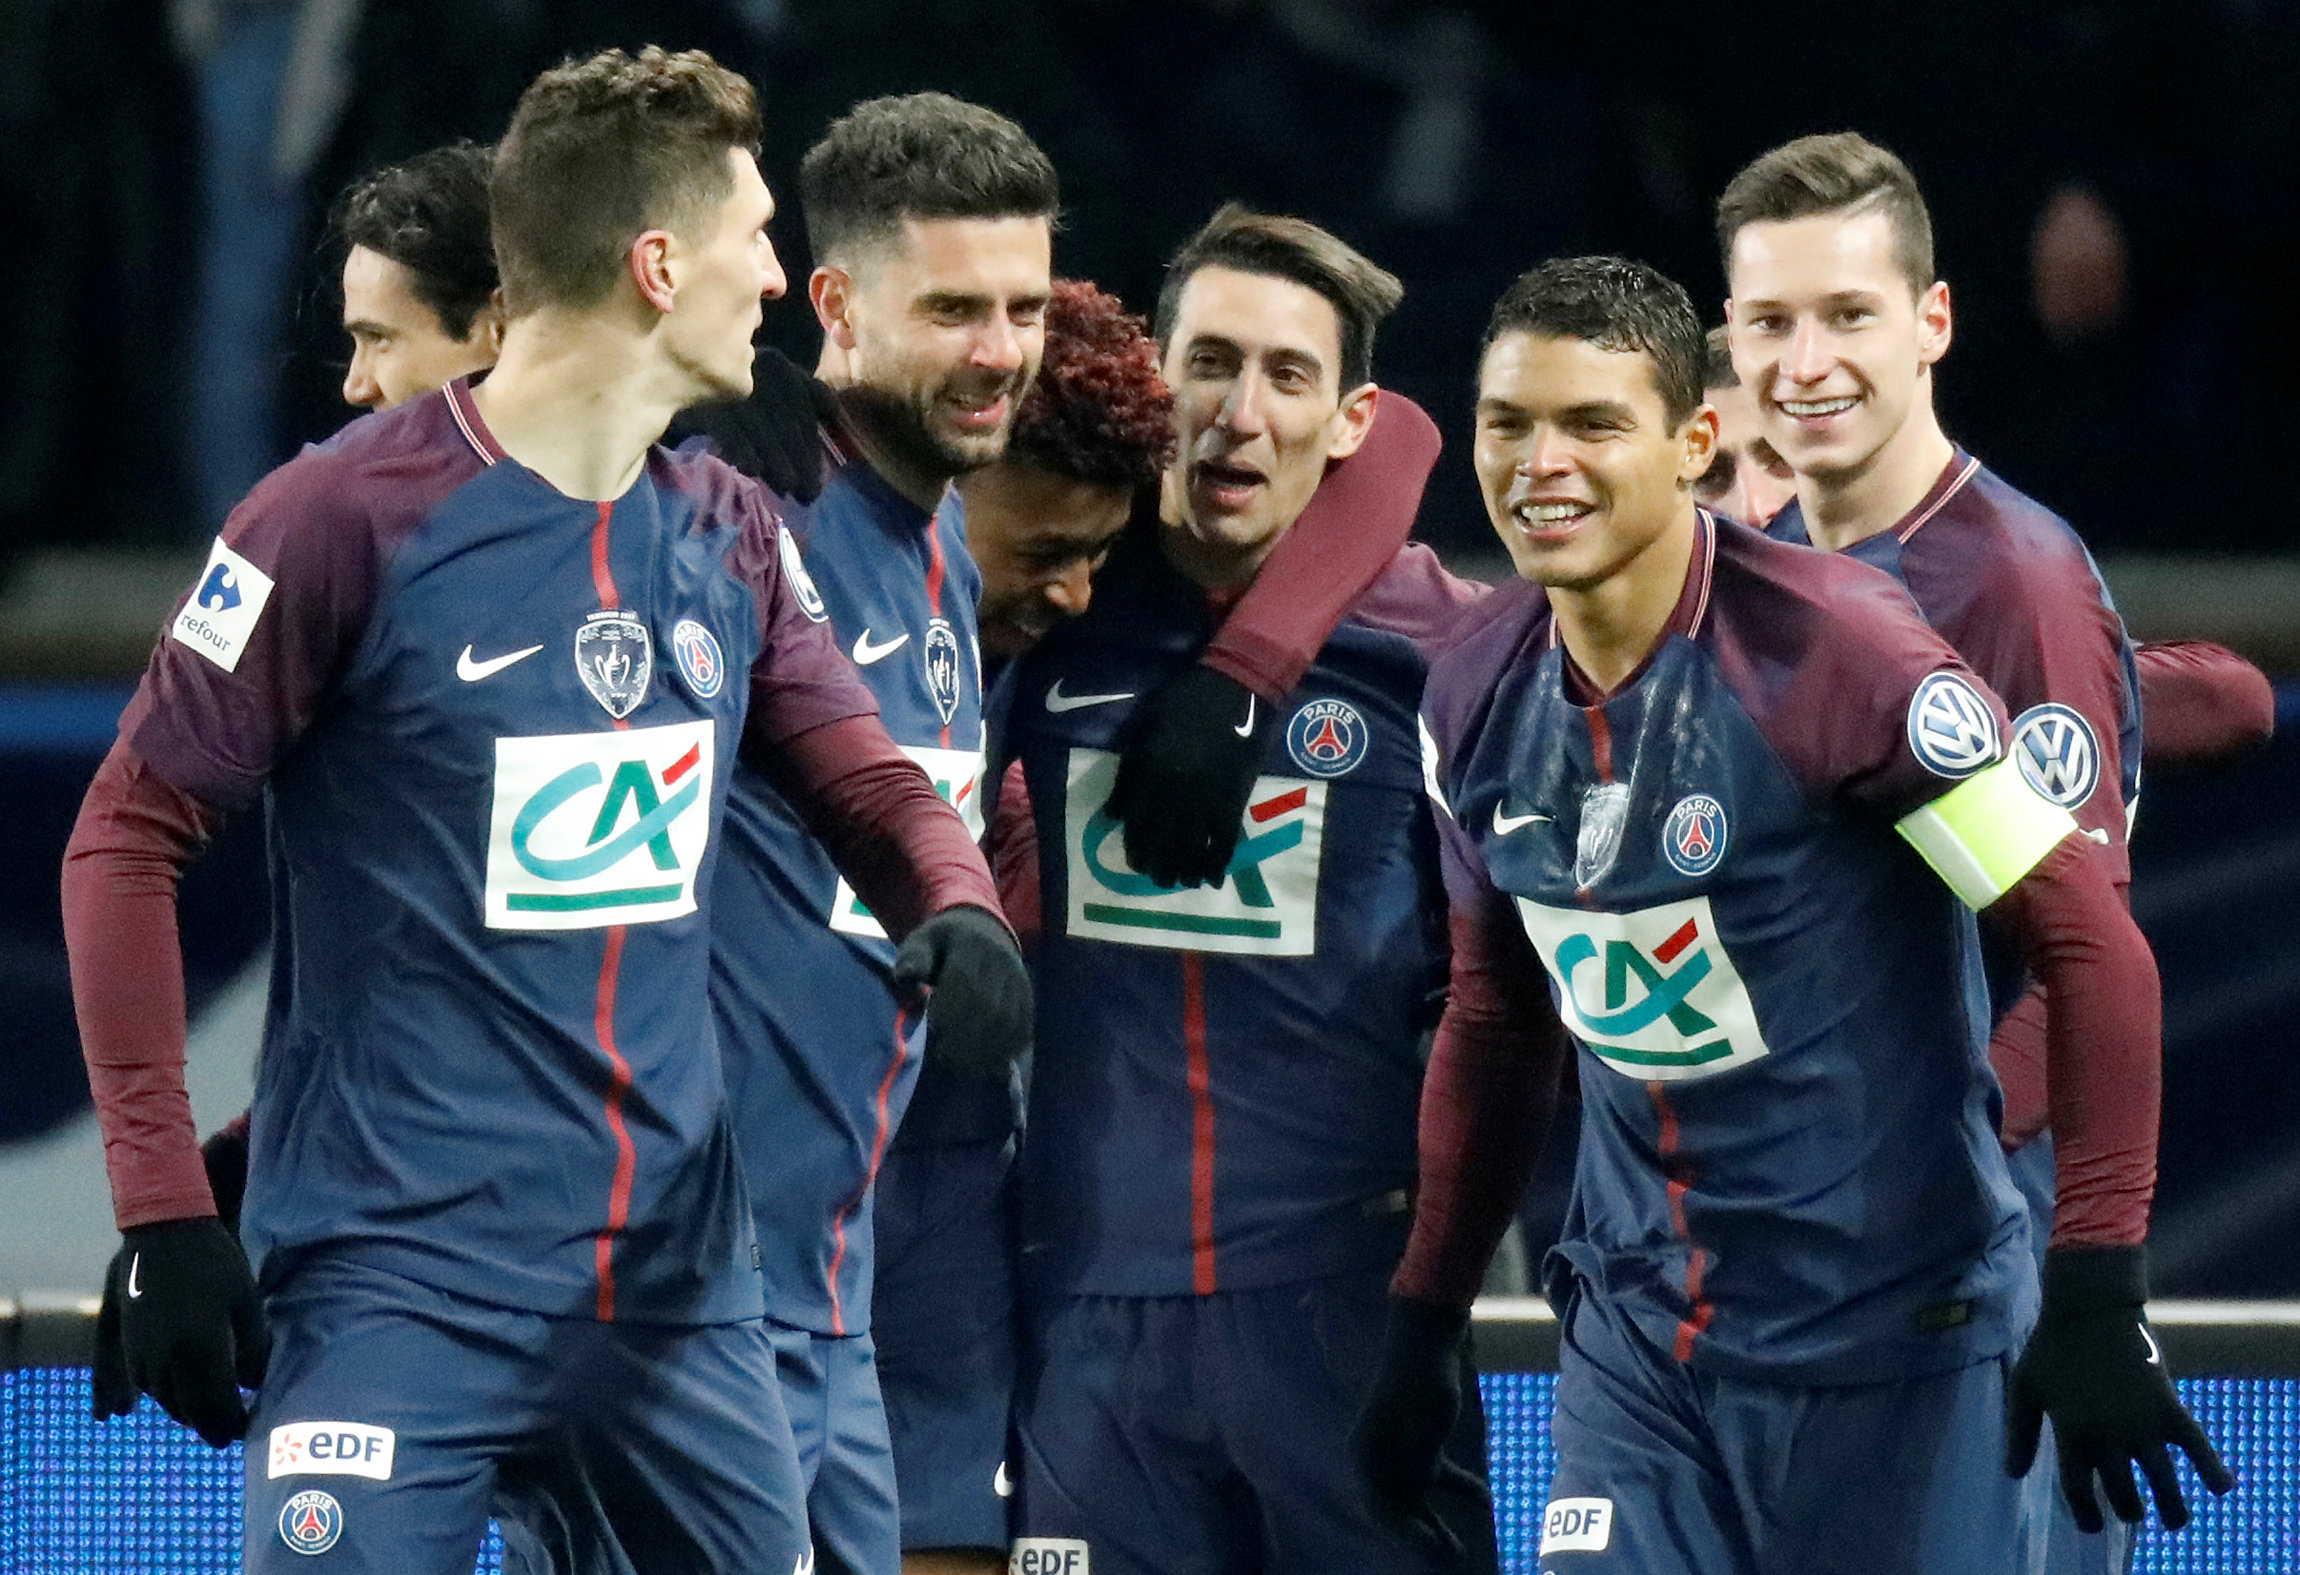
2107	177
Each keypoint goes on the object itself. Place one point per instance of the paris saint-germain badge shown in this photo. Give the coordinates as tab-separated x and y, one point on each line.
311	1521
1693	840
615	657
1327	737
696	650
940	654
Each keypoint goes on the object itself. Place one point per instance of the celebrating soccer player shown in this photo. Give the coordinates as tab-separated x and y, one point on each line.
1216	1181
421	301
1734	800
493	1196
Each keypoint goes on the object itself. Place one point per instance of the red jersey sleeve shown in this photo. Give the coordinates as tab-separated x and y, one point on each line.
801	680
1359	517
2201	703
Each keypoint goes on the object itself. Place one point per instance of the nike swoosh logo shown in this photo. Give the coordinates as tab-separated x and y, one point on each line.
135	1267
1245	729
471	672
2155	1355
1057	702
1503	825
867	653
1001	1483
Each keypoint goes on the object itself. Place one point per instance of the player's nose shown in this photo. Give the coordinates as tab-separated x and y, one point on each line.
359	385
1809	356
1070	591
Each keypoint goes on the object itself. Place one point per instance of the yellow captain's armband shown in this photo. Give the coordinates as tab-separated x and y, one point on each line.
1984	834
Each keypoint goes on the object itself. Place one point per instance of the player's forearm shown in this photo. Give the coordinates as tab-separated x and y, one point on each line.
905	851
1487	1101
1361	514
2201	703
2017	1052
133	838
2103	1046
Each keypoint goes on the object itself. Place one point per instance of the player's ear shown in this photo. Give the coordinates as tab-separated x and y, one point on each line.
1357	419
487	324
649	261
1699	436
1936	323
831	291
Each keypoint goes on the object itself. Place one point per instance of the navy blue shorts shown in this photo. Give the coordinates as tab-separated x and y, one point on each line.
1200	1435
943	1314
389	1407
1663	1469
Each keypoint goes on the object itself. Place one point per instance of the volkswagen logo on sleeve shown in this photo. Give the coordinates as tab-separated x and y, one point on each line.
802	583
941	656
2057	753
615	657
1952	731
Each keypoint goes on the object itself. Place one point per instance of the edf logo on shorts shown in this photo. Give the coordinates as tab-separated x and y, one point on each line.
593	829
222	612
331	1449
1048	1556
1576	1525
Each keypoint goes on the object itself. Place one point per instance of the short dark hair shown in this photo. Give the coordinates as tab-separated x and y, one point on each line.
429	215
919	156
599	152
1717	365
1614	304
1840	172
1361	292
1098	412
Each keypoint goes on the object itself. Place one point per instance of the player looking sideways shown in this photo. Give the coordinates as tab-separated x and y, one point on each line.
1669	772
1215	1179
421	301
493	1194
1747	481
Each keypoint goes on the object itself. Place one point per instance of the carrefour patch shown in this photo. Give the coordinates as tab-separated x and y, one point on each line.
1327	738
311	1521
1693	838
222	612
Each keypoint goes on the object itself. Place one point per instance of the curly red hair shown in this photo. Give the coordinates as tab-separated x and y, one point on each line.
1099	411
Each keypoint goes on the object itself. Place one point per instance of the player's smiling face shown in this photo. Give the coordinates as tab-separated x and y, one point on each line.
1581	467
399	347
1748	481
943	328
722	280
1259	408
1830	337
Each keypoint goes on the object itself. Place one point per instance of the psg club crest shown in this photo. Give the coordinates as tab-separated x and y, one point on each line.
1952	731
1693	840
2057	754
696	650
311	1521
1604	809
941	657
1327	738
615	657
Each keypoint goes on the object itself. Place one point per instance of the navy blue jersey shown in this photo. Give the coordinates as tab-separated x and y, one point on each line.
821	1057
2012	589
1225	1084
1789	1165
494	725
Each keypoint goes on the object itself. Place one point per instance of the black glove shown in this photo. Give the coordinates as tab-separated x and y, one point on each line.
2096	1370
225	1154
978	1014
776	434
181	1323
1415	1399
1184	776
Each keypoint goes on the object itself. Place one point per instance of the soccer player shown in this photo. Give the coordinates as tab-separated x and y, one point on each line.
1748	480
1735	799
493	1201
1215	1182
421	300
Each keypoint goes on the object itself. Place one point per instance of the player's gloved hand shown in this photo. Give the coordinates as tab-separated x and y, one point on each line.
776	434
979	1009
1415	1398
1184	775
2094	1367
225	1154
188	1329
